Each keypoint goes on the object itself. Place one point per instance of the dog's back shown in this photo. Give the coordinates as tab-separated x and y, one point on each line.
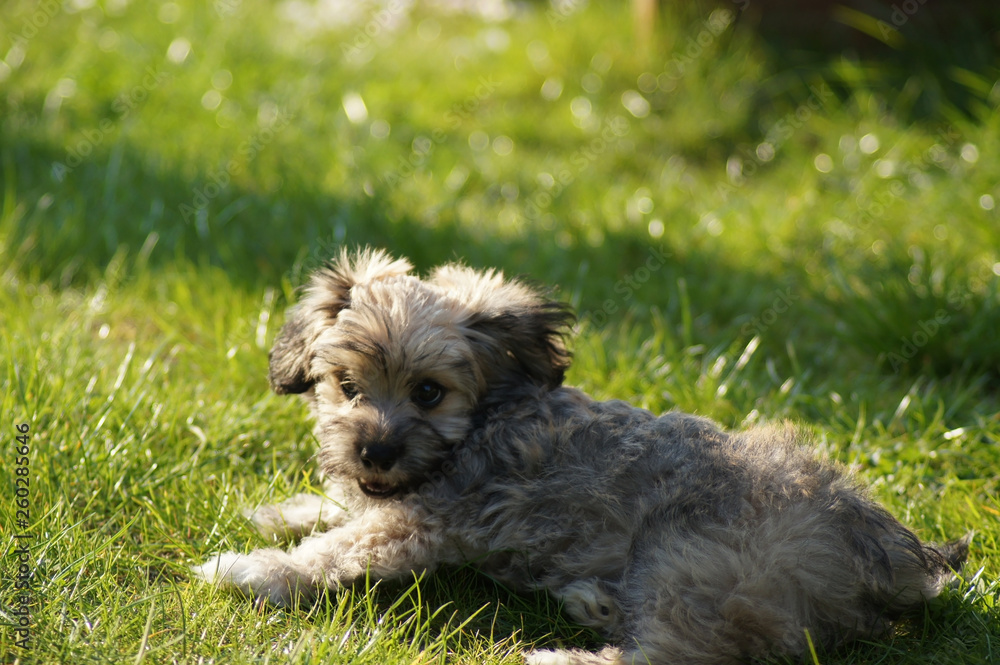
758	547
714	546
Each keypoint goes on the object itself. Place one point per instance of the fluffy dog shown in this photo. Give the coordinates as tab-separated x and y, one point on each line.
447	437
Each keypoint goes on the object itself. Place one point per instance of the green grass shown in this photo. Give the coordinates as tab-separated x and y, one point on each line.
828	224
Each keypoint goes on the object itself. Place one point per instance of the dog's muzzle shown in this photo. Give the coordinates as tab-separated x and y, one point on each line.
378	458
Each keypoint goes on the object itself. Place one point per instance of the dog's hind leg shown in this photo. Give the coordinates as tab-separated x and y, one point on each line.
591	603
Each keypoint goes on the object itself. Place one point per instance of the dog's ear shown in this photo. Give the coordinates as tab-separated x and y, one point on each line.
328	293
517	331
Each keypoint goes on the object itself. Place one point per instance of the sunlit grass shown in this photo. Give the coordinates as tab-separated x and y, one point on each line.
743	240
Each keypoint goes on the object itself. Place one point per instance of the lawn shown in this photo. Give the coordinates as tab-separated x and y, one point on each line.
756	219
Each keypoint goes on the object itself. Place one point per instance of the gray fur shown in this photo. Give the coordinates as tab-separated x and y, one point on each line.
683	543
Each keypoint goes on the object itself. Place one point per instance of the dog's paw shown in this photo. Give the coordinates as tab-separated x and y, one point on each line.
547	658
608	656
259	574
590	603
226	569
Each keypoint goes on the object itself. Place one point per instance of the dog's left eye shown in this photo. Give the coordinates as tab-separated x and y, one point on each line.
427	394
349	388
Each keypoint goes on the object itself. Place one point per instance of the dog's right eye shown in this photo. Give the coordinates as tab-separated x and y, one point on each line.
349	388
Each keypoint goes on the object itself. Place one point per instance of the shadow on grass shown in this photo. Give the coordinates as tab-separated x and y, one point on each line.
951	628
67	233
66	228
931	57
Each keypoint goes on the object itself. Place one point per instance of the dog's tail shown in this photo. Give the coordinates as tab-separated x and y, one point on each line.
954	553
920	571
957	551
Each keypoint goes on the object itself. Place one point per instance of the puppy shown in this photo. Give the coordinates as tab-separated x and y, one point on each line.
447	437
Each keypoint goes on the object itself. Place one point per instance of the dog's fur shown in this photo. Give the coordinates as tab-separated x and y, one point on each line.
448	437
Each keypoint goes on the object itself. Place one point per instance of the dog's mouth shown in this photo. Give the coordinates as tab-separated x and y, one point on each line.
376	489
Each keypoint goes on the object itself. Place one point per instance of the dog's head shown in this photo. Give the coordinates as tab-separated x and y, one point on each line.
396	368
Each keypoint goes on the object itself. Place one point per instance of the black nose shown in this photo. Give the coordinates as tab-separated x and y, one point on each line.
379	456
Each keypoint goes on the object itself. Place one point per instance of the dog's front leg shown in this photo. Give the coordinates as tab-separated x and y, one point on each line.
301	515
384	544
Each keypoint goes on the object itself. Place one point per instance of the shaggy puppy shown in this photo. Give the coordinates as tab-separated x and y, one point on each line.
448	437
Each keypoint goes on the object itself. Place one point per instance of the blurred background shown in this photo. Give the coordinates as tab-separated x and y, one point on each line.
845	151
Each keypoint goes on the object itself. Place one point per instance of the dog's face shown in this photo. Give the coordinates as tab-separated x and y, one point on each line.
396	368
